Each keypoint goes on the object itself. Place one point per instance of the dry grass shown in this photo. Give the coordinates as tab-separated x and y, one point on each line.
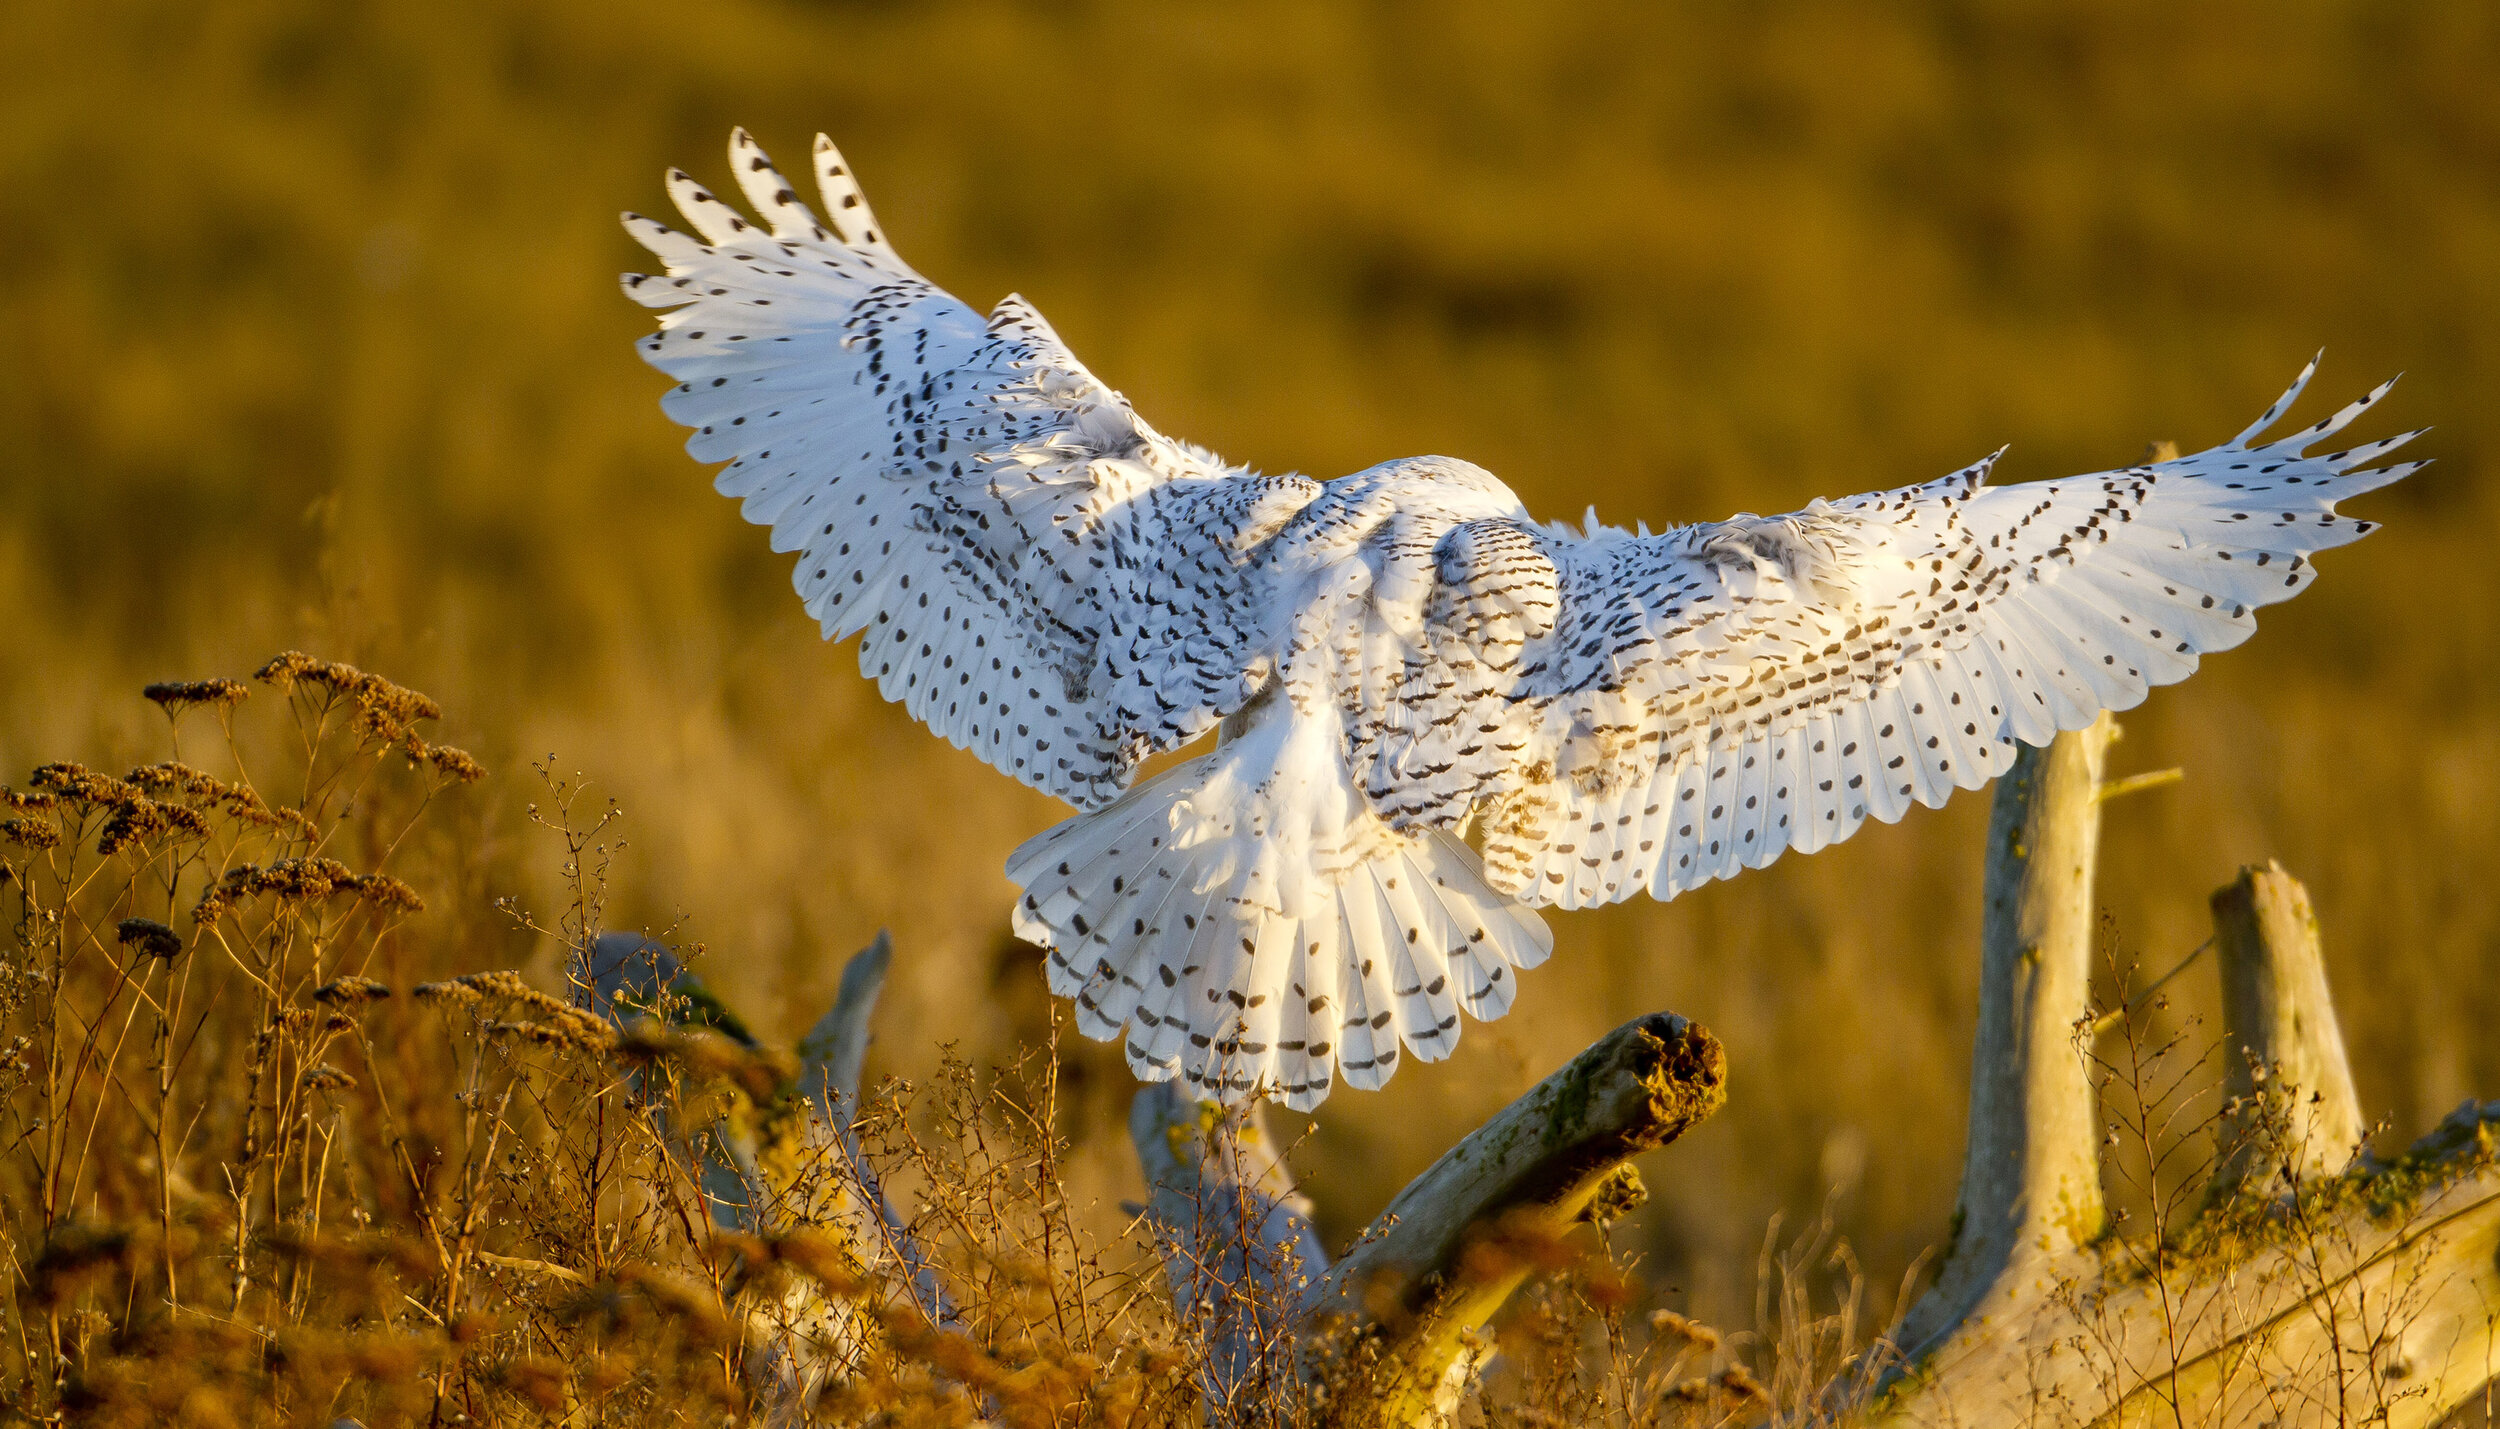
255	1172
320	347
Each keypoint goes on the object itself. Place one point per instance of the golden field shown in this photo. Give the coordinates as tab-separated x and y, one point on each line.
316	343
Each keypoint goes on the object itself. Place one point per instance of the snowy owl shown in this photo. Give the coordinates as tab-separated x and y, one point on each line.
1434	714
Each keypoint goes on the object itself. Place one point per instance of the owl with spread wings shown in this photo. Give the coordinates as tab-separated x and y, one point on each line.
1433	713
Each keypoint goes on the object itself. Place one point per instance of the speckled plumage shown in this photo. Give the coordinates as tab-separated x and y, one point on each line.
1399	658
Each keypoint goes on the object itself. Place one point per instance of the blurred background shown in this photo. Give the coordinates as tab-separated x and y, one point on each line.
314	341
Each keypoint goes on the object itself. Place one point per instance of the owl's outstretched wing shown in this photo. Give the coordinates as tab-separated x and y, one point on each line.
1038	575
1701	701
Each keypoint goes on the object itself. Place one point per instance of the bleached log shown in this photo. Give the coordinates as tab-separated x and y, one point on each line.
1236	1240
2372	1300
2373	1297
2283	1052
1395	1314
2031	1187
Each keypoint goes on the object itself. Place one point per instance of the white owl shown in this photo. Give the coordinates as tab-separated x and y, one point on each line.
1398	660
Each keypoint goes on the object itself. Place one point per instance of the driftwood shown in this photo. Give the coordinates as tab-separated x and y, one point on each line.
791	1164
1382	1336
1236	1239
2316	1286
2031	1178
1378	1338
2314	1283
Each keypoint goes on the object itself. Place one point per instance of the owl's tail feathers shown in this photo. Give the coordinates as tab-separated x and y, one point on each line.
1242	952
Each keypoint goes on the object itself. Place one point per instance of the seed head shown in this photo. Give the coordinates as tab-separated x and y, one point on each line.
135	822
1737	1382
351	991
289	880
79	784
282	671
384	710
380	890
1667	1323
170	777
325	1079
455	764
179	695
36	834
151	938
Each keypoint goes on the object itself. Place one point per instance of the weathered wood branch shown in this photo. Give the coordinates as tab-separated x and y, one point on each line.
1398	1308
2283	1056
2306	1297
2372	1300
835	1050
2031	1181
793	1163
1236	1240
1379	1338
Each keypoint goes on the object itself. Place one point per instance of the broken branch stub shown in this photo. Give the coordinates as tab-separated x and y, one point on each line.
1395	1313
835	1051
2284	1057
2031	1179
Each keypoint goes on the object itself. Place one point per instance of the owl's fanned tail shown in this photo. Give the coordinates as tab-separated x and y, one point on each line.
1251	923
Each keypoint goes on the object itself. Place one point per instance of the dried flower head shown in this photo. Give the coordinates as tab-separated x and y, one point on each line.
451	990
384	710
455	764
130	823
325	1078
505	983
289	880
31	833
179	695
283	670
79	784
171	777
1691	1391
574	1035
143	819
383	891
151	938
351	991
1737	1382
1667	1324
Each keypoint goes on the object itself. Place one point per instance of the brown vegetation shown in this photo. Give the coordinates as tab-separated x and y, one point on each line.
249	1182
319	346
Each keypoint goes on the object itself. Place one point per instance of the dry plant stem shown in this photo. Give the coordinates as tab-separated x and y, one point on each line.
1401	1292
2279	1025
2031	1187
1236	1240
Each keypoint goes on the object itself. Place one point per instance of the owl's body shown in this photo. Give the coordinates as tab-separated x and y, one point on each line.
1400	661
